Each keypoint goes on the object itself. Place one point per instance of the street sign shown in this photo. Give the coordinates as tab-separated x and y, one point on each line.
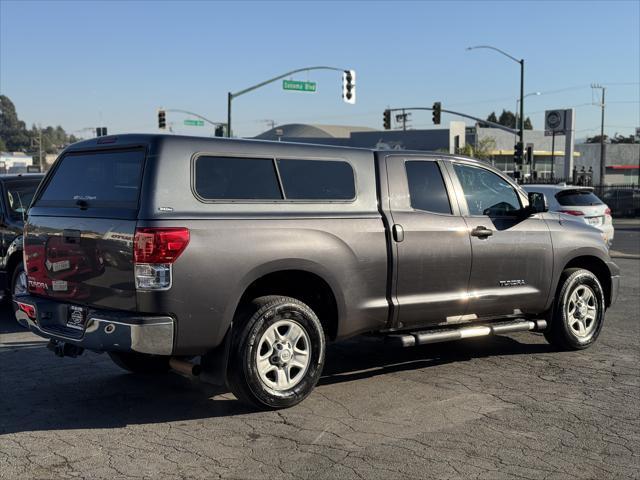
299	86
194	123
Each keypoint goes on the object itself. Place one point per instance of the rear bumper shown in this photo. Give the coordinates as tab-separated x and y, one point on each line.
105	330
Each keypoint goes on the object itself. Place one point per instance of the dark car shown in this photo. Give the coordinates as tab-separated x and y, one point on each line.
16	193
238	260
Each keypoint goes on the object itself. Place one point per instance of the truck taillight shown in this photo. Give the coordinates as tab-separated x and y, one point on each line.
154	250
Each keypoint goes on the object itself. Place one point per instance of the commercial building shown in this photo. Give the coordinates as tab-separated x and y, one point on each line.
622	160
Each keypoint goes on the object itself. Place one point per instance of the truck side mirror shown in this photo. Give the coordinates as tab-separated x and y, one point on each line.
538	202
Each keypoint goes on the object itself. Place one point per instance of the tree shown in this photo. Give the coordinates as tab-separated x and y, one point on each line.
482	150
14	135
596	139
508	119
13	132
622	139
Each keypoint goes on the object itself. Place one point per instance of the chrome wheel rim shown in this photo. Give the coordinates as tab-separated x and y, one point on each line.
283	355
582	311
20	288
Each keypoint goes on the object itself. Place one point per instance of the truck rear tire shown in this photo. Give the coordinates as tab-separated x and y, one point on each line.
578	311
144	363
277	353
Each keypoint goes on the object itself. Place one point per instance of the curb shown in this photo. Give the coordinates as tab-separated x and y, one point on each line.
616	254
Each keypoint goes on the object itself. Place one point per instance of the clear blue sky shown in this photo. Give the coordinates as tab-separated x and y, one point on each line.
84	64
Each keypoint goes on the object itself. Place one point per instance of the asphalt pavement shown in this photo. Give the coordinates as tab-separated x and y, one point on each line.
626	241
507	407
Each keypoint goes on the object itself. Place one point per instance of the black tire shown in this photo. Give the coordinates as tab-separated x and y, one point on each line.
141	362
562	331
253	325
15	276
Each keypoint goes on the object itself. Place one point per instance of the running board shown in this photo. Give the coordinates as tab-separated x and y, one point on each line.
411	339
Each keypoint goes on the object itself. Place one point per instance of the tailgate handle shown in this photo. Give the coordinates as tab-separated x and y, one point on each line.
71	236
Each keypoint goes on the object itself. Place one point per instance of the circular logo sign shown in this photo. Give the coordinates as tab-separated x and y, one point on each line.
554	119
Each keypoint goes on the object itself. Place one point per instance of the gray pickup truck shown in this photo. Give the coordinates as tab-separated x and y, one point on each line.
237	260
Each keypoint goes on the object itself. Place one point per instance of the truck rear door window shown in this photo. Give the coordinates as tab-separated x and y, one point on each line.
107	179
426	187
236	178
317	179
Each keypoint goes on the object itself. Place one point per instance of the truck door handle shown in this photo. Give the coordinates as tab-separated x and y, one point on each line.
398	233
481	232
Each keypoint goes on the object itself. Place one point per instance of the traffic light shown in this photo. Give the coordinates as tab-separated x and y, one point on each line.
349	86
162	119
528	158
101	132
437	107
517	153
219	131
386	119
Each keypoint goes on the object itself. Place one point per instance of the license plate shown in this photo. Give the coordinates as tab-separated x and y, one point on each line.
594	220
76	317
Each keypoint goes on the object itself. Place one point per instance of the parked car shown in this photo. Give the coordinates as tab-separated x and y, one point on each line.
238	260
580	203
625	202
16	192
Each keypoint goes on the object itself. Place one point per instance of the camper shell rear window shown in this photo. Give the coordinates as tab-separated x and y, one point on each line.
97	179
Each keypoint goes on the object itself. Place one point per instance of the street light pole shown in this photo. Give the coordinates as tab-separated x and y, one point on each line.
518	103
602	152
521	62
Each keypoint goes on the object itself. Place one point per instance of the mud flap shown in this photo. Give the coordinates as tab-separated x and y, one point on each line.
214	362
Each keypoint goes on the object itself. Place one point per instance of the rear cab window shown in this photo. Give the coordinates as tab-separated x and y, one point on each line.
578	198
98	179
427	190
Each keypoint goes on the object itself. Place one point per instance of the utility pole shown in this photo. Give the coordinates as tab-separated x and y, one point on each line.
38	140
602	146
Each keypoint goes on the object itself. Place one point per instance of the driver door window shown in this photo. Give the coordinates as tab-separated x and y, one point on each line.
486	193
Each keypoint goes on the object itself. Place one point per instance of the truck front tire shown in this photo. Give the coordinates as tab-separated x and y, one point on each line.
578	311
277	353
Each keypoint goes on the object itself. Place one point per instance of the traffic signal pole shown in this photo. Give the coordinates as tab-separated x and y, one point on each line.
460	114
231	96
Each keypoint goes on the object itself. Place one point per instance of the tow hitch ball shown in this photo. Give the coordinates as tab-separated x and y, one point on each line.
62	349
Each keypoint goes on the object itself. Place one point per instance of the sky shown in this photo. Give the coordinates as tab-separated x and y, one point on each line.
83	64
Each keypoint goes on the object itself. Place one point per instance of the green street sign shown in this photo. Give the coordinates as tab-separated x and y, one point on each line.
194	123
299	86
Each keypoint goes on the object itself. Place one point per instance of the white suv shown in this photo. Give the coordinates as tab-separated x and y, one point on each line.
579	202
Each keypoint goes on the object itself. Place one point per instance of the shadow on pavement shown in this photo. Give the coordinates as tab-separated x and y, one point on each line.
90	392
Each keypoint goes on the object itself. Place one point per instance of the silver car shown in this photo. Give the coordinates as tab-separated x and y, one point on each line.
579	202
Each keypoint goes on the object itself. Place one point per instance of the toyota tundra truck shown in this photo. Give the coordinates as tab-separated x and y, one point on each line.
238	260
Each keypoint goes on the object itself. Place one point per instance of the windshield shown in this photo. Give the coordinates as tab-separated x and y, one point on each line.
577	198
19	196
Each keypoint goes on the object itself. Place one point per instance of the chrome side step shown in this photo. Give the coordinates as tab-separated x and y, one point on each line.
411	339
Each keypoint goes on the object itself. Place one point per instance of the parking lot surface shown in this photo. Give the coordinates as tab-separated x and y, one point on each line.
492	408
